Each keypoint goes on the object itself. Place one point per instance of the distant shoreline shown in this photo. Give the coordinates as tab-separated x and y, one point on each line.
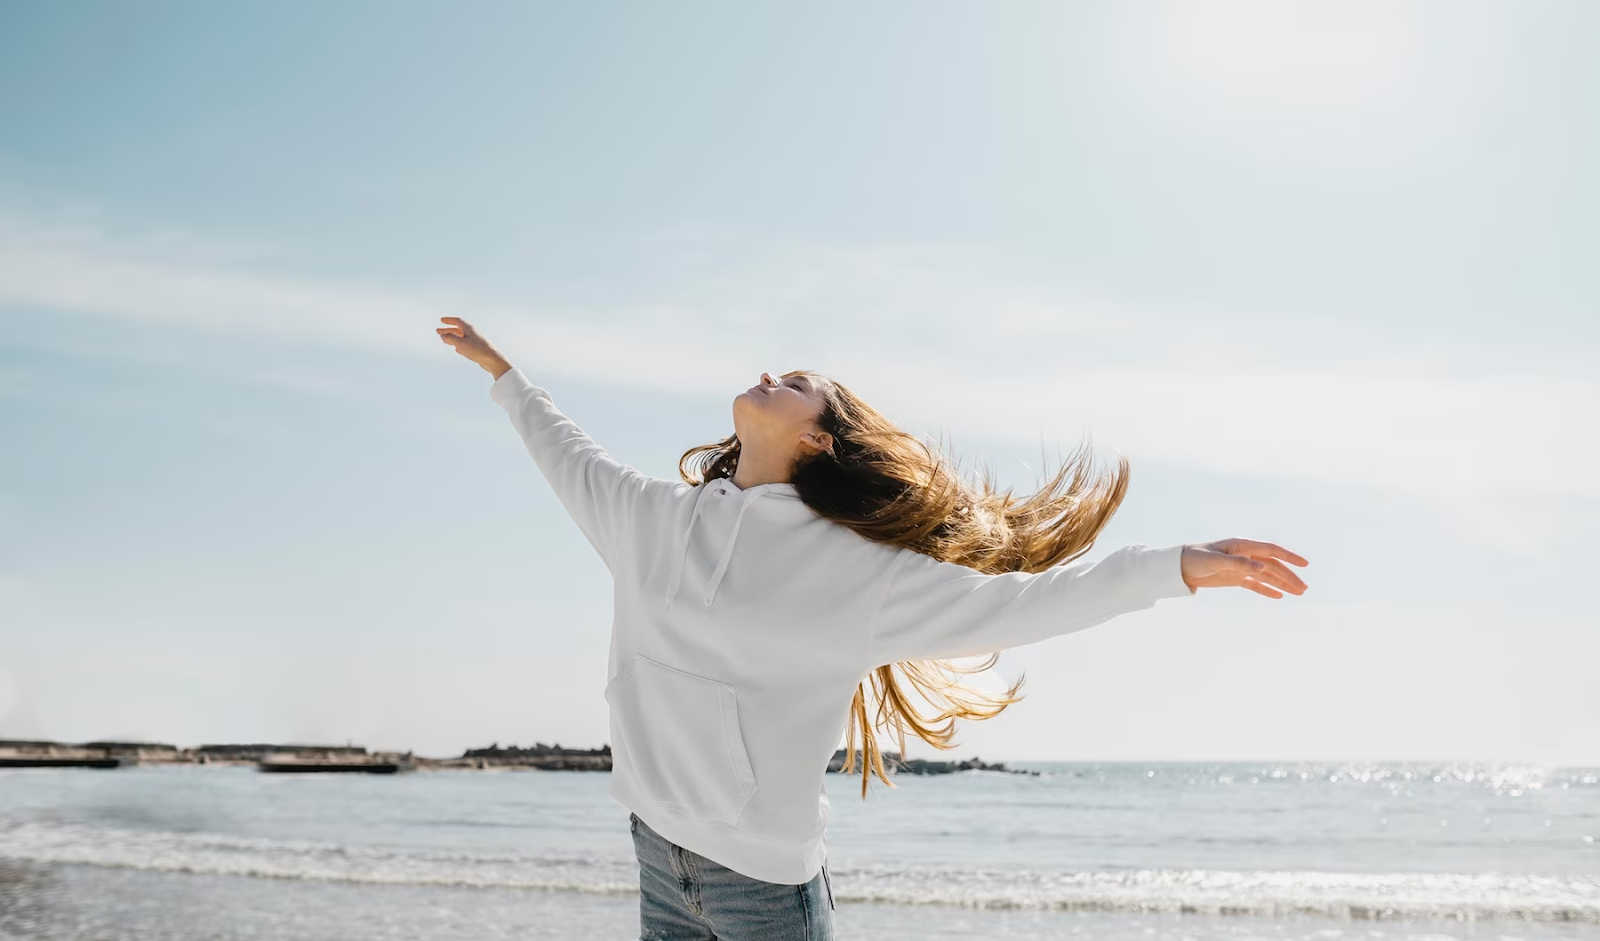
269	756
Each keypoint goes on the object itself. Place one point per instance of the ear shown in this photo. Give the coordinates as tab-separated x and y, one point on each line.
820	441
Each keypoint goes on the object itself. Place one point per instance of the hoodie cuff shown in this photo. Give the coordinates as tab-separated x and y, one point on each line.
1164	567
511	383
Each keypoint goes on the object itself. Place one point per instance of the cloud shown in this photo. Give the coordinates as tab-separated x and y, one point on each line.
947	337
82	270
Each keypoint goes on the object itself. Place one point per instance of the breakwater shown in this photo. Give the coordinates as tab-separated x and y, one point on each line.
894	764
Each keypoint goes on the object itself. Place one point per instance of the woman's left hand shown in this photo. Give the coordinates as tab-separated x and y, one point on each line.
1242	563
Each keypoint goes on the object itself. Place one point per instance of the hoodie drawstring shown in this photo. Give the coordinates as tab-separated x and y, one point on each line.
727	552
676	577
677	565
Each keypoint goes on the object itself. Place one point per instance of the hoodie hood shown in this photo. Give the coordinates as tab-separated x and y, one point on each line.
721	489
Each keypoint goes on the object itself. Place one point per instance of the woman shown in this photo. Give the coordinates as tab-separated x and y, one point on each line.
733	675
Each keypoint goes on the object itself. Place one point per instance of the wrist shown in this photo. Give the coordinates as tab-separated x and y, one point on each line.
496	366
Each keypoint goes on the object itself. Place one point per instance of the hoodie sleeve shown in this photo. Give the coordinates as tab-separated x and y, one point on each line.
597	491
933	610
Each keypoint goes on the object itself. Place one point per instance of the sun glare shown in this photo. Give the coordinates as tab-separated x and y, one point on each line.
1325	54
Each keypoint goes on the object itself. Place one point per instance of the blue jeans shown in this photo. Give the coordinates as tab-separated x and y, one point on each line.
684	896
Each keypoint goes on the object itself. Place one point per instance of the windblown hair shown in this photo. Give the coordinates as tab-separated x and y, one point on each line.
889	486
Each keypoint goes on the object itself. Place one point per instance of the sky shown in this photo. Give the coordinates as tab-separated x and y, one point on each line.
1324	272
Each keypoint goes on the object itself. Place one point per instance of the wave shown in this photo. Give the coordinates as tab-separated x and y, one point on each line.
1224	892
217	854
1526	897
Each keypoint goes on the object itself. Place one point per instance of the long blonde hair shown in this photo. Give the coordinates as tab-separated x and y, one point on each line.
891	487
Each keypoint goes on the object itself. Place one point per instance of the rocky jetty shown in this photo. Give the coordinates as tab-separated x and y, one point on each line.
17	753
894	764
538	756
35	753
260	751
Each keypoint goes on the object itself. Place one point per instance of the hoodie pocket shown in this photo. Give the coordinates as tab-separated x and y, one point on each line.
681	736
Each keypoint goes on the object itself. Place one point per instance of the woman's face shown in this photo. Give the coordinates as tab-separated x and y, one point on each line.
779	413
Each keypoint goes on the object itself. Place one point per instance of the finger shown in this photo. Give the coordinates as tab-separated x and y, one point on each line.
1262	589
1250	572
1280	552
453	331
1268	571
1279	574
1263	550
1268	578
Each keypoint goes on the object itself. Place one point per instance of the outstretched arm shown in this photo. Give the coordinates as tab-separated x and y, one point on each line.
596	490
933	610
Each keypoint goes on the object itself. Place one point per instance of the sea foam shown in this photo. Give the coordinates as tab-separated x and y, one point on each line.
1458	896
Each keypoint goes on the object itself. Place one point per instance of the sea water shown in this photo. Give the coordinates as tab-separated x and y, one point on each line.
1116	851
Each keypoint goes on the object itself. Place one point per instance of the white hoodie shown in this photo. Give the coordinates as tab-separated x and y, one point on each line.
731	674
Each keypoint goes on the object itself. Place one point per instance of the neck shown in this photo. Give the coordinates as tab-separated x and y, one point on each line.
757	467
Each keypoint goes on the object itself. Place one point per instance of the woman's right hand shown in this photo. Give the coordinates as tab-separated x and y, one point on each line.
470	344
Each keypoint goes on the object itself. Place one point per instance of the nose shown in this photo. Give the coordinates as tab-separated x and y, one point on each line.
766	379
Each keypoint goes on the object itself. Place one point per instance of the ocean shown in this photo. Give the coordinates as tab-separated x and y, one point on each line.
1142	851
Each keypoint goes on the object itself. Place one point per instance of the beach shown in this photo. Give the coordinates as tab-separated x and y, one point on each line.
1123	850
